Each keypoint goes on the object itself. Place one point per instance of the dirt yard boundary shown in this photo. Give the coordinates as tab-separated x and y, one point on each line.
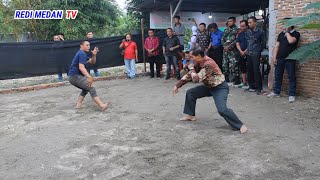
59	84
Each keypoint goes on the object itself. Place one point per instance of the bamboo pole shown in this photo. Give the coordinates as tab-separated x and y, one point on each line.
143	50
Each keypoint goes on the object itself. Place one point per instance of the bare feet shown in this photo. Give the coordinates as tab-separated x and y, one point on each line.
188	118
105	106
243	129
78	106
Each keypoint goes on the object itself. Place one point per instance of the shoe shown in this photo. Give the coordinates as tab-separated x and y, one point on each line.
250	90
259	92
158	78
96	74
242	85
272	94
292	99
236	81
151	77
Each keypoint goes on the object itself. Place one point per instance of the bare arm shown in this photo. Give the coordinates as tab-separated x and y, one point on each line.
209	47
136	53
93	59
291	39
84	71
275	52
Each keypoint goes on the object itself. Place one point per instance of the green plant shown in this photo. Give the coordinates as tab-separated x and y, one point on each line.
93	15
311	21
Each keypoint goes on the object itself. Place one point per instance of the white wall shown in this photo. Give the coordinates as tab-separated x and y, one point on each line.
161	20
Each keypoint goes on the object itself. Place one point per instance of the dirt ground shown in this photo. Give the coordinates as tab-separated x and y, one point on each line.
42	136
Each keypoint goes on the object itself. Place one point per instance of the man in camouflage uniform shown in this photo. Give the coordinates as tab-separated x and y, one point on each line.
230	64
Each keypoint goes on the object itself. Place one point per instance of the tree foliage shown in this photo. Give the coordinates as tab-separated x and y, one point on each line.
93	15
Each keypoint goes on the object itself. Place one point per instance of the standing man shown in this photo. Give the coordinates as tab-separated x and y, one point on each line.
254	37
151	45
61	65
287	42
215	46
203	39
80	78
214	85
230	64
170	48
242	45
95	70
180	31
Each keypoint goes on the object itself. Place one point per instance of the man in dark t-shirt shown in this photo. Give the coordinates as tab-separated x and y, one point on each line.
287	42
242	45
170	48
80	78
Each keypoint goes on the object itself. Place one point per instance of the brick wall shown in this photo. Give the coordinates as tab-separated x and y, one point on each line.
308	74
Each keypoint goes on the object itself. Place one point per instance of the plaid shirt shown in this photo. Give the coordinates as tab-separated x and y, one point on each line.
152	43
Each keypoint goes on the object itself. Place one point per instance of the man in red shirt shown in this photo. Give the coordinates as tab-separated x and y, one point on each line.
151	44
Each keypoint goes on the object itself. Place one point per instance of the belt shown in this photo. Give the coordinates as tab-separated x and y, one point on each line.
216	47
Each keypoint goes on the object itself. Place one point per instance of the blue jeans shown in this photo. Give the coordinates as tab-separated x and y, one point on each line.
96	72
290	65
220	96
169	61
131	67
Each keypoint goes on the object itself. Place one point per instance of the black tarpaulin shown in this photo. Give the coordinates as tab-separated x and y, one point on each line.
20	60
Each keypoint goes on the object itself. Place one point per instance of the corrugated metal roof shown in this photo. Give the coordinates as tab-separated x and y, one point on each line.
205	6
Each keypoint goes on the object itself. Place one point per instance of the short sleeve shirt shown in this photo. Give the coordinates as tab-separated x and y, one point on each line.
241	39
130	51
169	43
180	30
80	58
285	48
203	40
216	38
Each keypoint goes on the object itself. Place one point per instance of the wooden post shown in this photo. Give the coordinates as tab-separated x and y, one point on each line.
143	50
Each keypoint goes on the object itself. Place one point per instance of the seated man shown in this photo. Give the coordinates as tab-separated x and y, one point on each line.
186	62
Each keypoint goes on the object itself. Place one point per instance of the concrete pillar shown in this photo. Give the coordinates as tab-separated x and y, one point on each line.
272	39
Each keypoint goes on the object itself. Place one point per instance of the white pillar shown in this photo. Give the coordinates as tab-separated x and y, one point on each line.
171	14
272	39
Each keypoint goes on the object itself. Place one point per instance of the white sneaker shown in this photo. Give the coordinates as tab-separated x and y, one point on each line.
272	94
292	99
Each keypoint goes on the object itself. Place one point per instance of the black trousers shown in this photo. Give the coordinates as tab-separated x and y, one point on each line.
220	96
154	60
217	55
254	74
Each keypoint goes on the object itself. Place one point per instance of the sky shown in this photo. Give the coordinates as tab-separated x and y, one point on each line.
122	3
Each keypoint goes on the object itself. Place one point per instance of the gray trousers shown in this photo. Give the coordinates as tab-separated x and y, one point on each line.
220	96
82	83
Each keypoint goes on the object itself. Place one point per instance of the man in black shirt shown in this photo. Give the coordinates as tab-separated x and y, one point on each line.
170	47
287	42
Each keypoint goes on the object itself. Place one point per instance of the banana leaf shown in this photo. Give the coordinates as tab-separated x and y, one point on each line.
301	21
306	52
315	5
